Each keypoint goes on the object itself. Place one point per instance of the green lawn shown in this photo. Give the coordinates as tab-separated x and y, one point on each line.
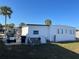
45	51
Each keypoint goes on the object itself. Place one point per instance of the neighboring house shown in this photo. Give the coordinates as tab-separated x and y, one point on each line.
13	36
36	33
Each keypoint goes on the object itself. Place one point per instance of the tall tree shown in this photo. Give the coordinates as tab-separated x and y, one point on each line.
6	11
1	26
48	22
12	25
22	24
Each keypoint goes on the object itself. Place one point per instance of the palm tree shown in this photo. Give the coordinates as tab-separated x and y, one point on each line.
6	11
22	24
48	22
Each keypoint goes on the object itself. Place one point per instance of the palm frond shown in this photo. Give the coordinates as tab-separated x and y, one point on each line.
6	11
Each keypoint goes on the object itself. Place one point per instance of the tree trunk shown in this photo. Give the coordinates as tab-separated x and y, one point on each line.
5	26
5	22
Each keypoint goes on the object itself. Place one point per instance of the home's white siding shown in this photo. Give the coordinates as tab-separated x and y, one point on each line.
62	33
66	33
43	32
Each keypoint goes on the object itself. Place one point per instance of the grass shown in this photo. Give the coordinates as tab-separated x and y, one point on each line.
45	51
73	46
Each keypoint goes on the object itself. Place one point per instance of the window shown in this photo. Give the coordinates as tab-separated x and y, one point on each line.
58	31
35	32
66	31
70	31
73	32
62	31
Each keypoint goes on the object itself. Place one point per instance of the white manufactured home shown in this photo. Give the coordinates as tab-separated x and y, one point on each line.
36	33
44	33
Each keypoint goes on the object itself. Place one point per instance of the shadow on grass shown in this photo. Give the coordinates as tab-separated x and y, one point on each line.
47	51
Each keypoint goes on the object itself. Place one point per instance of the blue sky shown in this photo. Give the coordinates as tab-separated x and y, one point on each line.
64	12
